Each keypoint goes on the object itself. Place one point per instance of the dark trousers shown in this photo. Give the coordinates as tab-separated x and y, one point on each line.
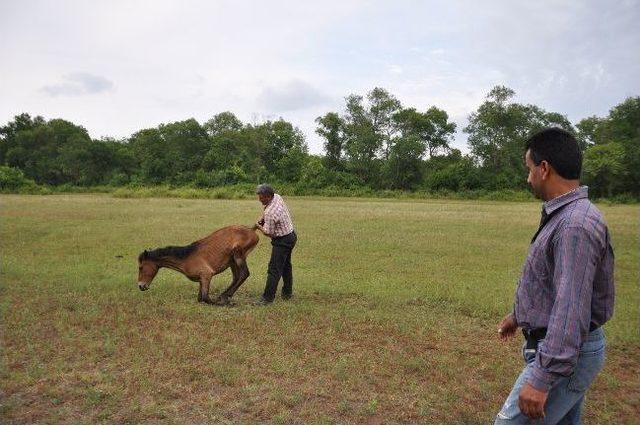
280	266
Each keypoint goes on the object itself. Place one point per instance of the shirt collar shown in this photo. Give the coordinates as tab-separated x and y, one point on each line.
273	201
578	193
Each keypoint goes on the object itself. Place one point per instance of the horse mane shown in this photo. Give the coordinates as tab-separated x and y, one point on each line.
168	251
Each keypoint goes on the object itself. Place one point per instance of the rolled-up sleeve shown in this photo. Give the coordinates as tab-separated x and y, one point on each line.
576	255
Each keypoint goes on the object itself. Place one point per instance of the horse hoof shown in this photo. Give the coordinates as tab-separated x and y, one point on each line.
224	302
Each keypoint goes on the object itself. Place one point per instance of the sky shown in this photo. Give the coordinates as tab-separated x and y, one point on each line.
116	67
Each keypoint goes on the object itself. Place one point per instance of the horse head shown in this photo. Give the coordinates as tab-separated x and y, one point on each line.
147	270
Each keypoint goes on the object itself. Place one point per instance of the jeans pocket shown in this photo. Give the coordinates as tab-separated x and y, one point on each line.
510	410
589	365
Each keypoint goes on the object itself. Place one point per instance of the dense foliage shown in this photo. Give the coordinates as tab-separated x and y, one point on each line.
375	144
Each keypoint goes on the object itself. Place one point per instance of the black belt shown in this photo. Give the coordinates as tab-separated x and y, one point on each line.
534	336
277	238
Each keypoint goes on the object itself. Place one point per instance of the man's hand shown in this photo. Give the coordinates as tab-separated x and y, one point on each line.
260	227
507	327
531	402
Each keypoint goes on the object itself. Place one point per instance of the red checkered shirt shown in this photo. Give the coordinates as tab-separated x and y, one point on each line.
277	220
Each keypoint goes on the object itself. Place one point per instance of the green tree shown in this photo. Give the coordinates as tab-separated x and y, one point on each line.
452	172
281	148
315	175
110	162
603	167
382	108
362	143
222	123
171	153
621	127
404	166
624	128
13	179
432	128
591	131
8	132
52	152
187	144
497	133
233	148
150	150
331	127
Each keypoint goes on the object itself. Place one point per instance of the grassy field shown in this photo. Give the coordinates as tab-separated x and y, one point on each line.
393	322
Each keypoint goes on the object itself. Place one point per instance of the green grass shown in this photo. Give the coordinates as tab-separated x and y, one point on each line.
394	318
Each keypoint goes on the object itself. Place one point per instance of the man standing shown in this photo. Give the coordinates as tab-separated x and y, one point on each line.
565	293
276	223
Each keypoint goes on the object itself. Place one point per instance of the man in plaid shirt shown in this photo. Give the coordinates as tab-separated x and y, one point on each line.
565	292
276	223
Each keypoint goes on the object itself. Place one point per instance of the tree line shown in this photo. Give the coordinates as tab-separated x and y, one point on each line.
375	142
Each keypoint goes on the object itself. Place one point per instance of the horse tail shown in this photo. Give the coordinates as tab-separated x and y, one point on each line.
257	229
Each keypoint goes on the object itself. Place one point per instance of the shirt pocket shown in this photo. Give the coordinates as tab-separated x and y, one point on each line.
540	263
537	274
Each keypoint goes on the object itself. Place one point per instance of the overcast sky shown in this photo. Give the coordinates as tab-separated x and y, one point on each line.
116	67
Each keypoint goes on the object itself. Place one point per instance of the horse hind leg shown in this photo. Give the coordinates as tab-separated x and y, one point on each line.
225	297
243	273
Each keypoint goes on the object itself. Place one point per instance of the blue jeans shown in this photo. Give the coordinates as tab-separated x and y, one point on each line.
566	396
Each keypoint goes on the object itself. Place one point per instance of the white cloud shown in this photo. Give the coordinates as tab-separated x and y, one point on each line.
78	84
395	69
290	96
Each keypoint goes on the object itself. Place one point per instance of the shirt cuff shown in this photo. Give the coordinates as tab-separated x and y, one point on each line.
541	380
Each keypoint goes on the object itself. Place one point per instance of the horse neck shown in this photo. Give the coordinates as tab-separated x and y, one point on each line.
171	263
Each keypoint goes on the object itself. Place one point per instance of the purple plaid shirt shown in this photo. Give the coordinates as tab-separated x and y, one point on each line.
566	284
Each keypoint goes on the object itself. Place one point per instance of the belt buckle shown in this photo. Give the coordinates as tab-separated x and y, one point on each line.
531	345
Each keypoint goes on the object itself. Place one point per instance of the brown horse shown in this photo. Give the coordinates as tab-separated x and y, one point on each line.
202	259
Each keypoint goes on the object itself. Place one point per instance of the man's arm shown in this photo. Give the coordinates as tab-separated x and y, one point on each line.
576	257
260	225
265	223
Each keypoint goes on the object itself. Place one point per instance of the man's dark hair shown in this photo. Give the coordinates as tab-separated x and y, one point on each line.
559	148
265	189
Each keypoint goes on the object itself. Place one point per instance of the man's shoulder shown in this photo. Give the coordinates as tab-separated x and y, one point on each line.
280	200
583	215
583	212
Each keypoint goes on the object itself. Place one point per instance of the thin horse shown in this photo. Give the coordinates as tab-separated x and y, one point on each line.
203	259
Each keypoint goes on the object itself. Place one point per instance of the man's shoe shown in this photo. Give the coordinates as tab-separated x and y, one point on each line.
262	301
287	297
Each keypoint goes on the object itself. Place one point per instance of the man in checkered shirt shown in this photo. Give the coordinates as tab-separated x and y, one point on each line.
276	223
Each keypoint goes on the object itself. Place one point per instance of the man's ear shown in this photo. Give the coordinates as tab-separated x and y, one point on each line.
545	170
